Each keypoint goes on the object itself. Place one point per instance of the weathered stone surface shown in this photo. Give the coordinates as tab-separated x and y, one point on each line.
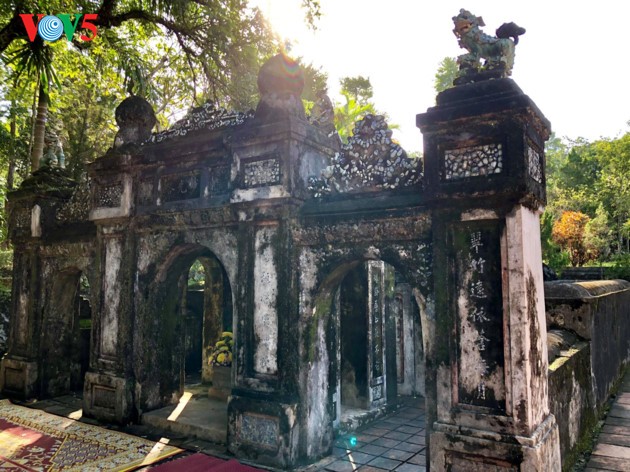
572	397
288	270
205	117
5	311
488	400
597	312
280	83
135	118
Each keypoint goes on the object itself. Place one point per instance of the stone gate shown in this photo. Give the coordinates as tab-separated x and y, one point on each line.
282	217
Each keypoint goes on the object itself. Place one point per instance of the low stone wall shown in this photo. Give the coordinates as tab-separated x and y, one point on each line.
589	347
572	399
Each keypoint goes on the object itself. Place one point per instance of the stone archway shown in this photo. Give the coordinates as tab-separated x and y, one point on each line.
165	318
364	359
66	337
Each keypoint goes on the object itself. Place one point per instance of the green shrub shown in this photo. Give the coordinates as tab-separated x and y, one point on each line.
621	267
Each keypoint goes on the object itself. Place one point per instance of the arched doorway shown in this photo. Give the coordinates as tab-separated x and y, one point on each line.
66	335
207	311
190	305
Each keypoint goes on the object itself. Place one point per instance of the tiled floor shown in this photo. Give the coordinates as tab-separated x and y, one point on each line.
394	442
612	451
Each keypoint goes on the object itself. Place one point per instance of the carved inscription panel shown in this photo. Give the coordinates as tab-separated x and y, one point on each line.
479	307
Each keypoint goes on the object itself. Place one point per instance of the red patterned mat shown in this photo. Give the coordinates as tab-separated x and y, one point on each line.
36	441
202	463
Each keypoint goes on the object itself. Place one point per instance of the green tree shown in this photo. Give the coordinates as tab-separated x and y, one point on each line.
357	93
614	184
446	74
348	113
314	81
35	59
358	88
210	50
597	235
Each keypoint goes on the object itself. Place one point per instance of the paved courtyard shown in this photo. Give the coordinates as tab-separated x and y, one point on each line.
394	442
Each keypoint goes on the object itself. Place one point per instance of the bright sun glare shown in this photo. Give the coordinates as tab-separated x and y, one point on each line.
287	21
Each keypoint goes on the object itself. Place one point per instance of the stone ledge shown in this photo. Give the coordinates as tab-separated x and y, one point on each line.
572	289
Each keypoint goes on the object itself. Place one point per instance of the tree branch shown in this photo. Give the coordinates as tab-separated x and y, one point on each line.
111	21
12	30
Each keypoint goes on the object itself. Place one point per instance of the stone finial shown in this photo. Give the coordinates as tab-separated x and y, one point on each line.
135	118
323	112
280	83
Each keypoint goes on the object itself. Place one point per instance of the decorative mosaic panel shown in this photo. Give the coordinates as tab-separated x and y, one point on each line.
261	430
78	207
218	180
370	160
534	164
145	192
207	117
473	161
181	187
259	173
21	216
108	196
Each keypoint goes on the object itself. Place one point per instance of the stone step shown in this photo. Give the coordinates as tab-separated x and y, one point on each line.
202	418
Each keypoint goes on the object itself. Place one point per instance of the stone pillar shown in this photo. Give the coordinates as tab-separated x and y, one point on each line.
484	167
19	369
109	386
31	209
274	154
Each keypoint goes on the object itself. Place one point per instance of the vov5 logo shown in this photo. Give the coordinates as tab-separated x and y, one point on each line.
51	27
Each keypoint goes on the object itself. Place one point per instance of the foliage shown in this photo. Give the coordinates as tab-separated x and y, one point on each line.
621	267
348	113
446	73
221	353
197	275
176	54
314	81
569	233
593	178
6	262
358	88
357	93
552	253
597	235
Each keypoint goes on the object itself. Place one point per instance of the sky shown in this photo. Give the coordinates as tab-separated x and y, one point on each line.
573	61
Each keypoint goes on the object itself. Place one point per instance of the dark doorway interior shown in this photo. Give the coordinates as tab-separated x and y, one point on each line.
353	330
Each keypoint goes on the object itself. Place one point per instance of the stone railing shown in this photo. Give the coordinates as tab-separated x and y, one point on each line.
589	347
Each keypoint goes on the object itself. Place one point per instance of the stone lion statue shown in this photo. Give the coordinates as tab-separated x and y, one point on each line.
497	52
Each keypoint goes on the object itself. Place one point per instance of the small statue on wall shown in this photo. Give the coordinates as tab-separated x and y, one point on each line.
54	155
497	52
